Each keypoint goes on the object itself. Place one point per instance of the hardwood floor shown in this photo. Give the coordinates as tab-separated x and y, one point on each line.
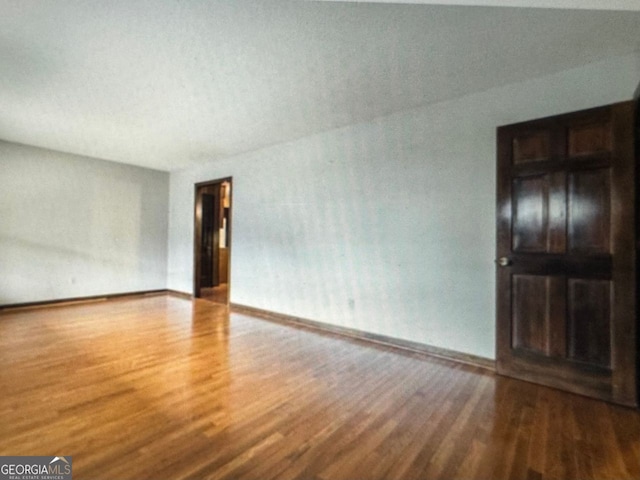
168	388
219	294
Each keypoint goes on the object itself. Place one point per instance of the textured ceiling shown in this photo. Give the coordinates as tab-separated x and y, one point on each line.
166	84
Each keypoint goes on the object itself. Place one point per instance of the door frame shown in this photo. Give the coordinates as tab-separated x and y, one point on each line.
197	234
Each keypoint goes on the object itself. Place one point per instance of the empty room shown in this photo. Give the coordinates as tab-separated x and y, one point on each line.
319	239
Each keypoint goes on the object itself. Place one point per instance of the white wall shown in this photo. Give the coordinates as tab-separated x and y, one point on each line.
386	226
73	226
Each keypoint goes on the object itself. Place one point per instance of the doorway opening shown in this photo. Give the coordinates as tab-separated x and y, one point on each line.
212	240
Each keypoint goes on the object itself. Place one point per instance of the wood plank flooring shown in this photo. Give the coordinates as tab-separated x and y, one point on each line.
168	388
219	294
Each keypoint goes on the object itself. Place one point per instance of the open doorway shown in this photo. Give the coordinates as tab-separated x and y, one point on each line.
212	240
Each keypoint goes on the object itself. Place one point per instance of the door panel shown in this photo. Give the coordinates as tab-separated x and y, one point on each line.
531	148
539	213
589	213
566	306
538	304
590	139
530	312
589	321
530	214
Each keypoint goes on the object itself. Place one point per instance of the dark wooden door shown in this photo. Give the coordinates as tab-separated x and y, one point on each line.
207	255
566	247
207	231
